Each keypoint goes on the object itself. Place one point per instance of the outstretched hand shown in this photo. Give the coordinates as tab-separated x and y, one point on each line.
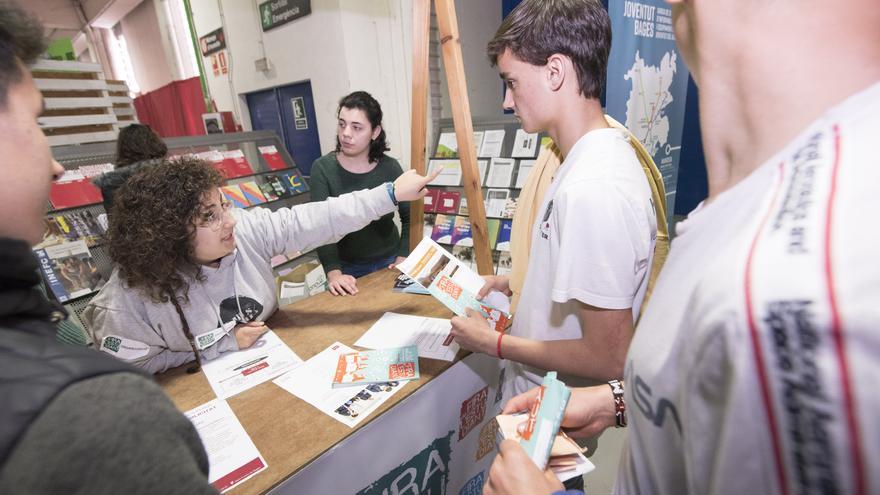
411	186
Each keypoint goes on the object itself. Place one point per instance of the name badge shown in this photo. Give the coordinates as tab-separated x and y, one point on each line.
207	339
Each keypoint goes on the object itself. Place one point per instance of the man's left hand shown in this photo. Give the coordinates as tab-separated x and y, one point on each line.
513	472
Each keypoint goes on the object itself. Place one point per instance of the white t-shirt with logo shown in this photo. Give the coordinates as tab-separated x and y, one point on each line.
592	243
755	367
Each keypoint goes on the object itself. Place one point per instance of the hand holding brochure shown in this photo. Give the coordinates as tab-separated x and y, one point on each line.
544	419
453	283
377	366
566	457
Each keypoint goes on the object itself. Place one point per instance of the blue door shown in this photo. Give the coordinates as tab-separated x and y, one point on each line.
300	127
290	112
263	107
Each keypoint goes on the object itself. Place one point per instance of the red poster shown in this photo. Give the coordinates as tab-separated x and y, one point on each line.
73	193
431	200
447	202
236	164
273	157
215	158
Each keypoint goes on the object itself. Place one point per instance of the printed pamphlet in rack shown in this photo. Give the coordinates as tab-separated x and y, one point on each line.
69	270
377	366
453	283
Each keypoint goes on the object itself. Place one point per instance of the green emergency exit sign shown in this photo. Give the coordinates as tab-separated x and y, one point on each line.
275	13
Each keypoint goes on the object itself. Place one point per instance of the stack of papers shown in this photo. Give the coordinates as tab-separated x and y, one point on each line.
566	458
376	366
235	372
311	381
430	335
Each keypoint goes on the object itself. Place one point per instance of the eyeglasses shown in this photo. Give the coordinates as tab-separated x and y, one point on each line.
213	218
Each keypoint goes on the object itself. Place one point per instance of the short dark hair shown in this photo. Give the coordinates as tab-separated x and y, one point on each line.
21	42
578	29
365	102
138	142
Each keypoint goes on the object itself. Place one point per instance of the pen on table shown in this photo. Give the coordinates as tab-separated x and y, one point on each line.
245	365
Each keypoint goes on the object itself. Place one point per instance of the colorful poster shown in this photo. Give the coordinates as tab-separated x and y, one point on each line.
647	83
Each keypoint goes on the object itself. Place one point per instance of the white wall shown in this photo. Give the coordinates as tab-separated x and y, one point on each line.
206	18
378	53
146	48
477	23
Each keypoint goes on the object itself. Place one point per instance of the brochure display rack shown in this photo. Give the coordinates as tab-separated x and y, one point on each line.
505	156
74	262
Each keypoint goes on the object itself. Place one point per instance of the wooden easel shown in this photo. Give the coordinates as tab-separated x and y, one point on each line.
461	117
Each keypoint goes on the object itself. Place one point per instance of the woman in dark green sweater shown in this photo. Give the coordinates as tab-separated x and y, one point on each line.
359	162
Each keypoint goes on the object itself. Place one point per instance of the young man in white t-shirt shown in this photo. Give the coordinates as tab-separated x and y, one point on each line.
594	234
754	367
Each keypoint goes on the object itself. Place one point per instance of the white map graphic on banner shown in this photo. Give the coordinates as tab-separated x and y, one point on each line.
648	98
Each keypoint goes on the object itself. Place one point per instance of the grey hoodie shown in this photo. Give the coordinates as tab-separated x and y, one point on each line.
125	323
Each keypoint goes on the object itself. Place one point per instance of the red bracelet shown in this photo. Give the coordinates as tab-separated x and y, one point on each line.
498	346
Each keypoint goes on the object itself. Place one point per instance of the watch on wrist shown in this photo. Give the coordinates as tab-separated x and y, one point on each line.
390	187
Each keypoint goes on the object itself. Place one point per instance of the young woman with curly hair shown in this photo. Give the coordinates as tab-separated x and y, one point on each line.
359	161
194	277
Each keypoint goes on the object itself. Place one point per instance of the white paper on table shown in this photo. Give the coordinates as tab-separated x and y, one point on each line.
492	141
235	372
525	168
232	455
291	292
524	144
292	289
430	335
312	382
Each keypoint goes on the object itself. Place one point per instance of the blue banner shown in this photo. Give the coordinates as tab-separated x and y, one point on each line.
647	83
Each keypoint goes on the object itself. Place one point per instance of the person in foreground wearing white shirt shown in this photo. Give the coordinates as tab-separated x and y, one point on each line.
754	367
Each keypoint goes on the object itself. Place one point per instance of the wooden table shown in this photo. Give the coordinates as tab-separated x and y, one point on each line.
287	431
